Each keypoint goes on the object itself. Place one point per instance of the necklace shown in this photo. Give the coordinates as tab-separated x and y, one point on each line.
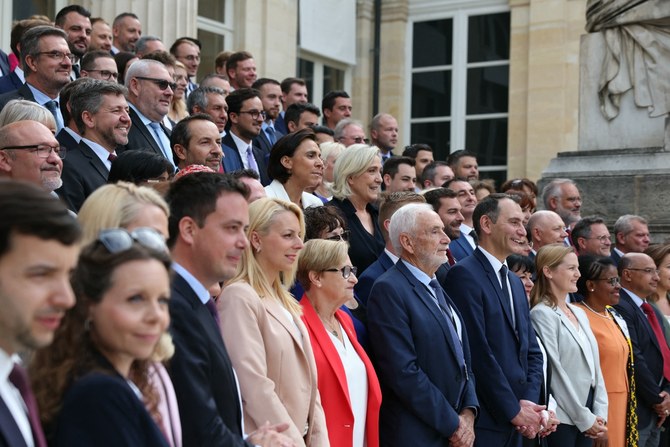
605	314
329	327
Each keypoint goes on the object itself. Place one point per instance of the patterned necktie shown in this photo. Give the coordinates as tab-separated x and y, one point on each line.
660	337
19	379
251	160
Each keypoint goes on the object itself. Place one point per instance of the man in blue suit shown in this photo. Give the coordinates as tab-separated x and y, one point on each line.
464	245
389	205
507	363
419	342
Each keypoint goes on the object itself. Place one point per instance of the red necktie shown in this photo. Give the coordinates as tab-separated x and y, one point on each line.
19	379
658	331
450	258
111	157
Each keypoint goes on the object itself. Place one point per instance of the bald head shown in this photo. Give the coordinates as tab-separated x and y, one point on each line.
546	227
638	273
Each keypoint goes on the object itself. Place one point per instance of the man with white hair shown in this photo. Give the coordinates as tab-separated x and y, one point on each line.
412	321
562	196
350	132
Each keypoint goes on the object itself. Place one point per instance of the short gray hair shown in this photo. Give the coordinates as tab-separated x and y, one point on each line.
624	224
198	97
141	67
88	98
553	189
343	124
404	221
141	43
30	42
22	109
353	161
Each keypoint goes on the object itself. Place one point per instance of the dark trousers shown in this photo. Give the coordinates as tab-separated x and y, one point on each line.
569	435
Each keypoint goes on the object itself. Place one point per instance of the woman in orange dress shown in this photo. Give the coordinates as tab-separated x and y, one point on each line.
599	285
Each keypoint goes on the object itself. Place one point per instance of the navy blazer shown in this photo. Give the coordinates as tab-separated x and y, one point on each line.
507	361
615	256
370	275
10	434
140	138
460	248
10	83
4	64
101	409
202	374
263	142
233	162
649	381
280	124
22	92
83	173
66	140
424	387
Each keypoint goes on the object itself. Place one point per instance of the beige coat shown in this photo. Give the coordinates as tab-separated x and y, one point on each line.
273	359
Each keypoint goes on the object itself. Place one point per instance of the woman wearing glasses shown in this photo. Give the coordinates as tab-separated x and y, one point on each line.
660	253
260	323
599	285
297	169
92	383
356	188
576	382
348	384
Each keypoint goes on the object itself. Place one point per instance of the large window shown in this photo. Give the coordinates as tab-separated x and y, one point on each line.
460	85
214	32
321	77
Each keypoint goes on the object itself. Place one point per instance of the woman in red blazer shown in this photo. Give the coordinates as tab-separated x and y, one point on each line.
348	385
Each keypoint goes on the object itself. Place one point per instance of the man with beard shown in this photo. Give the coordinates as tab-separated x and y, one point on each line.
241	70
127	30
466	243
464	165
30	152
100	112
445	203
270	92
75	20
101	35
46	62
390	203
245	118
195	140
211	101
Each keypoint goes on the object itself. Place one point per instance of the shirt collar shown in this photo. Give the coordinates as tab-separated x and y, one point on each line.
198	288
101	152
393	257
42	98
143	118
495	263
636	299
7	364
466	229
418	273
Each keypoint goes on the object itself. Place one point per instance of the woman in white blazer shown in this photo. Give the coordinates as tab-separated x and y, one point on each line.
577	382
296	169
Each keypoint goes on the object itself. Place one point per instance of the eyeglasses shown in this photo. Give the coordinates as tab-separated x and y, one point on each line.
346	271
357	140
648	270
42	150
106	74
161	83
57	55
344	236
613	281
254	113
116	240
603	239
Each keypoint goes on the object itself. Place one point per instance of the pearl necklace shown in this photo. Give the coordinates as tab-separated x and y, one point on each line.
605	314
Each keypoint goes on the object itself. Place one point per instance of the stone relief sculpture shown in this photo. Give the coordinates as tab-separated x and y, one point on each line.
637	35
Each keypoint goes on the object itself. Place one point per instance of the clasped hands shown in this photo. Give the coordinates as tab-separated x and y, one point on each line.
533	420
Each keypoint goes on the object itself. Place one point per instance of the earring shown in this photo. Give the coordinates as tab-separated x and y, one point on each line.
593	290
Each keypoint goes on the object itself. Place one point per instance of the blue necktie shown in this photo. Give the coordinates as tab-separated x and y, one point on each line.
271	135
52	106
441	303
157	132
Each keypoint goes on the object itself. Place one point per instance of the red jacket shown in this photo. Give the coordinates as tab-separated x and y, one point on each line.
332	381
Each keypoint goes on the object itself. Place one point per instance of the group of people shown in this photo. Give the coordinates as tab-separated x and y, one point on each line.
237	274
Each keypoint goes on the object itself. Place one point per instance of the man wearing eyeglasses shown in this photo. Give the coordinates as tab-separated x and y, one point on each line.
47	62
150	90
100	65
245	120
350	132
100	111
186	51
30	152
639	278
590	236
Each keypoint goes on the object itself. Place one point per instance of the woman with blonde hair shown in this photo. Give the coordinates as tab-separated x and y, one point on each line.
356	188
348	384
22	109
177	110
572	350
260	323
329	153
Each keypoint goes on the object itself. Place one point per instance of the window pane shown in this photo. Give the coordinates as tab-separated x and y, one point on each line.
487	138
212	9
488	37
498	177
306	72
333	79
432	43
488	90
22	9
212	45
431	94
435	135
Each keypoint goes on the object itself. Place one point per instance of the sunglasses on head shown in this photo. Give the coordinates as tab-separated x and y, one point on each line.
116	240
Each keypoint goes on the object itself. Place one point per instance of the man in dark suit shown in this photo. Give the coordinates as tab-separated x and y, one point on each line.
301	115
445	203
507	362
639	278
150	90
38	238
245	118
270	94
384	134
631	235
75	20
45	58
4	64
465	244
293	91
208	218
69	136
419	342
100	111
389	205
